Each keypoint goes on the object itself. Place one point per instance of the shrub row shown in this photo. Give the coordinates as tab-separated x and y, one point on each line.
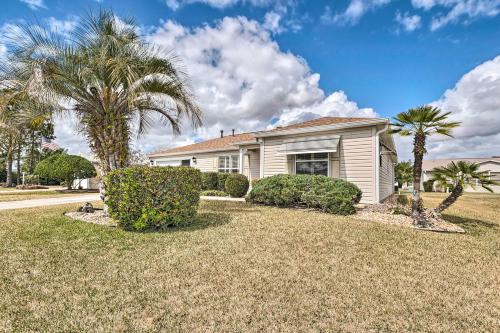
153	198
213	193
234	184
330	195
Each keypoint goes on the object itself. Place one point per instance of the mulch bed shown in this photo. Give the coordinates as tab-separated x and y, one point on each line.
384	213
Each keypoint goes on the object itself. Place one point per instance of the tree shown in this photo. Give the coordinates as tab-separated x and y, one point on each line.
65	168
460	175
110	79
404	173
421	123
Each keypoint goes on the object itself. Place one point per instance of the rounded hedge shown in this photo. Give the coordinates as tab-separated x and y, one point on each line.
153	198
237	185
330	195
210	181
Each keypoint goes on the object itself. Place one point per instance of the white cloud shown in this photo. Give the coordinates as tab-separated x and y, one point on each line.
243	80
63	27
459	10
475	101
34	4
353	13
176	4
272	22
409	22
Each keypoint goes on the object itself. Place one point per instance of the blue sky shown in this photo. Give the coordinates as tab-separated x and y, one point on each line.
385	56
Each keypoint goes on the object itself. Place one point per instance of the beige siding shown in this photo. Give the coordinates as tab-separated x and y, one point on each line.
386	181
254	168
355	161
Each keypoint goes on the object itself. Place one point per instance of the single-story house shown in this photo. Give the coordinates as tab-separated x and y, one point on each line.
359	150
490	164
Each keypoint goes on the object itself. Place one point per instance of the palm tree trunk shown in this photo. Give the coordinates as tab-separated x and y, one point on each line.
18	164
418	154
450	200
8	162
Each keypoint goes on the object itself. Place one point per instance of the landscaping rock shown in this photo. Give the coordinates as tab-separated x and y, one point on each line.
97	217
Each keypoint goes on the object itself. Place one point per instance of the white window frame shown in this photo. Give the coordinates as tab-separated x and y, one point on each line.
327	160
229	167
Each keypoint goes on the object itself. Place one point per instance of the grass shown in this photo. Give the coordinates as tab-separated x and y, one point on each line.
6	196
249	268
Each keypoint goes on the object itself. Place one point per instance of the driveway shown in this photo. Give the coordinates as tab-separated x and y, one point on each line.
48	201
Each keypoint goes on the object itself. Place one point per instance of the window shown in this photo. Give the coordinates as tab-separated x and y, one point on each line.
311	164
186	162
229	164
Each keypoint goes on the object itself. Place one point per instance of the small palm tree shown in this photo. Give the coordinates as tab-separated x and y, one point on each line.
421	123
460	175
404	173
107	77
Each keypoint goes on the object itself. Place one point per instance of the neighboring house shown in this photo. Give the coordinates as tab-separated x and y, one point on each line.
359	150
490	164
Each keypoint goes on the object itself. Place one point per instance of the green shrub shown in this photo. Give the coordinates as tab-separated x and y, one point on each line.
237	185
330	195
428	185
153	198
214	193
65	168
403	200
221	184
209	181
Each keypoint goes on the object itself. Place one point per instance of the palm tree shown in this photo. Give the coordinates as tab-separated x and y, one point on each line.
107	77
18	114
404	173
460	175
421	123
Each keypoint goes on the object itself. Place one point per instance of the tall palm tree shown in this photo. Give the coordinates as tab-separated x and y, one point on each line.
106	76
460	175
18	113
421	123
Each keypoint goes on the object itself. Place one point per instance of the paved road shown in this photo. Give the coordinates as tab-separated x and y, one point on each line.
48	201
9	191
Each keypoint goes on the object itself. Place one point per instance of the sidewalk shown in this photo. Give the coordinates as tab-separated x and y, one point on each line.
48	201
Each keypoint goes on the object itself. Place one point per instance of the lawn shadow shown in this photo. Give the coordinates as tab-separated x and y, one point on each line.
470	224
204	220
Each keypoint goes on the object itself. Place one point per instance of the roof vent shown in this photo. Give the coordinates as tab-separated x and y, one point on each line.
221	133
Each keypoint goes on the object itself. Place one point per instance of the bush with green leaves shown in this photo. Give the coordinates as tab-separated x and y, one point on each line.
428	185
330	195
210	181
222	177
237	185
214	193
65	168
153	198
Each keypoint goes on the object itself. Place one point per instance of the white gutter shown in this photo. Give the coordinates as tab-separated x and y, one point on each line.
377	163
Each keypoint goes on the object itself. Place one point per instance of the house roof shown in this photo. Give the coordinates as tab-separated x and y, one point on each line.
428	165
230	142
226	142
319	122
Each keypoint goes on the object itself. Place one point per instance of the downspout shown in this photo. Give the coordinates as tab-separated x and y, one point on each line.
377	162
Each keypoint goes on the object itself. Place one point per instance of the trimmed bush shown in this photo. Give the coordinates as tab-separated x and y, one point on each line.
237	185
153	198
428	185
209	181
214	193
221	184
330	195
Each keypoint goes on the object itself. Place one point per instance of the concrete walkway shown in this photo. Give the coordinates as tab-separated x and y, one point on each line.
48	201
203	197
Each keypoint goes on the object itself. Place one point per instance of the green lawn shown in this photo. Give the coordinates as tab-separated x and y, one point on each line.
249	268
6	196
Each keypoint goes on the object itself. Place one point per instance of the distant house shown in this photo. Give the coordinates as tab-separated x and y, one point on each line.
490	164
359	150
